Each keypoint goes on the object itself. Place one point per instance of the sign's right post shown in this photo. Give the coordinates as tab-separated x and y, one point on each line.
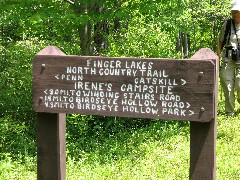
203	135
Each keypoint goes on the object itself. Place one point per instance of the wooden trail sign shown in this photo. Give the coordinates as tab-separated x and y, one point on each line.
166	89
128	87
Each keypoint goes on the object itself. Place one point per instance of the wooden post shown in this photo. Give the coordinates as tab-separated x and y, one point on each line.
203	135
51	141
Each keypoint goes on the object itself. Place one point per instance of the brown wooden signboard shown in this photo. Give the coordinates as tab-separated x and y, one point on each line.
127	87
165	89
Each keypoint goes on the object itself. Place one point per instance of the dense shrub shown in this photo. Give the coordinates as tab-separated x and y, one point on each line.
17	117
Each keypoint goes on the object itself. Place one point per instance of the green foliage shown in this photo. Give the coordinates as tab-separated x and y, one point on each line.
17	138
158	150
10	169
143	40
136	154
14	76
95	129
61	21
106	147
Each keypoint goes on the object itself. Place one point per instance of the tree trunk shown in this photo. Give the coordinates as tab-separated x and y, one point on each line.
183	44
84	29
85	39
101	31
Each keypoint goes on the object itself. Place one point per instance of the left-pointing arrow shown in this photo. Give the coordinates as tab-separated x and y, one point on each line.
46	91
57	76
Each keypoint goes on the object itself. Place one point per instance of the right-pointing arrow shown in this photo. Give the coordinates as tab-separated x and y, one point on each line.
191	113
188	105
183	82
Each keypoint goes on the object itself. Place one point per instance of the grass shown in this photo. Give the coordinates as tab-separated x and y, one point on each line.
159	150
11	169
147	153
228	148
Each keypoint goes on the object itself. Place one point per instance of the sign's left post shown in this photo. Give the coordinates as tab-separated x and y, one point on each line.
51	138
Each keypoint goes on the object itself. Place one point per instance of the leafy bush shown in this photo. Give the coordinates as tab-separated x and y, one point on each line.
87	134
15	76
143	40
17	138
17	117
